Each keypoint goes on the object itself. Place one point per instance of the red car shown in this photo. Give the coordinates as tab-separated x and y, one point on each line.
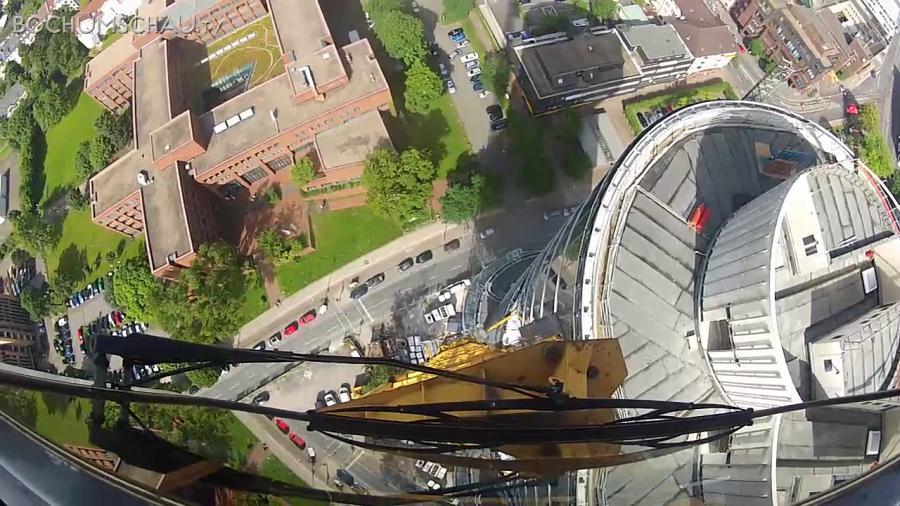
291	328
852	110
282	426
297	440
307	318
742	49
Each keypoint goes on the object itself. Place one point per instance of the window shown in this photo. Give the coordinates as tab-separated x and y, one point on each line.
280	163
829	365
810	245
255	175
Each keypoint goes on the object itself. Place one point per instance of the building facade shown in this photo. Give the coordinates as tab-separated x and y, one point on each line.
191	155
18	337
705	35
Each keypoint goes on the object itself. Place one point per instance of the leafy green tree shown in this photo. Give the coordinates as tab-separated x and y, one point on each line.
398	183
402	35
869	119
115	127
377	8
15	72
204	377
84	167
36	302
423	87
32	233
457	10
757	48
606	9
50	105
54	52
873	149
102	151
135	289
279	249
462	201
536	170
203	305
78	200
21	126
495	73
379	375
303	172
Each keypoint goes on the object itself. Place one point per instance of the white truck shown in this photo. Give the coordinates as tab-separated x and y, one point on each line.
440	314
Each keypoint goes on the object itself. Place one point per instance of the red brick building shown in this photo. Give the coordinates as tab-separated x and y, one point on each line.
325	104
109	77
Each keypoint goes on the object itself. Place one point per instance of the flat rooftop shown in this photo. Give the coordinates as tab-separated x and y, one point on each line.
110	58
585	61
352	141
170	136
654	42
117	181
306	41
276	95
150	107
164	219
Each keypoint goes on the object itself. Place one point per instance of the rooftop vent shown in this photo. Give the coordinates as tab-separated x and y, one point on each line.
143	178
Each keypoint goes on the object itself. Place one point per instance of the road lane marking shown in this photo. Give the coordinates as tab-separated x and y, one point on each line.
333	328
233	386
366	311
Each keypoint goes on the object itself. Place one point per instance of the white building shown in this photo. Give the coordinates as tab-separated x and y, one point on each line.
96	23
704	34
885	13
666	8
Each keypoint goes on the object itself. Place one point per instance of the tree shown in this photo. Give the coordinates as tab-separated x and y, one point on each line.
757	48
869	119
873	149
54	52
115	127
36	302
377	8
84	167
203	378
203	305
462	201
15	72
398	183
135	289
21	126
379	375
402	35
279	249
50	105
102	150
495	73
78	200
303	172
457	10
606	9
423	87
31	232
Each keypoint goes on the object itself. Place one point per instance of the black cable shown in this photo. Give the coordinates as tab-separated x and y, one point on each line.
165	374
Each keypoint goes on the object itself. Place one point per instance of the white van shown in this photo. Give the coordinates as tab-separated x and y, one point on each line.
354	36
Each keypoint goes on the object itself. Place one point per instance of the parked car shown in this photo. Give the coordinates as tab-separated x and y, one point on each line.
486	233
308	317
424	256
344	392
433	485
405	264
291	328
320	399
440	314
443	69
345	476
260	346
472	72
275	339
415	7
375	280
260	397
472	64
483	93
456	33
453	54
451	86
297	440
500	125
369	22
556	213
359	291
330	399
462	43
452	245
494	112
282	425
468	57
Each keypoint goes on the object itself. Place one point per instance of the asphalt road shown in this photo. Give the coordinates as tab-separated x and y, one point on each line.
348	317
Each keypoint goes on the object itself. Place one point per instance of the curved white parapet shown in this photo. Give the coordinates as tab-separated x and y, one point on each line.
641	155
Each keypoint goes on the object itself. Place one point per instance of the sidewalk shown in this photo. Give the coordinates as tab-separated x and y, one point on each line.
332	286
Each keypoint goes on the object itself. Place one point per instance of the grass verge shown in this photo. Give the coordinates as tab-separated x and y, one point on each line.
275	469
255	301
677	100
341	236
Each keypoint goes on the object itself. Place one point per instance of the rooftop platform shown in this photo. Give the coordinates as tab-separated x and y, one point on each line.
164	216
170	136
352	141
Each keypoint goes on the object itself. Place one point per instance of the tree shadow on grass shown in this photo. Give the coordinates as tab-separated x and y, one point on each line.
73	263
422	131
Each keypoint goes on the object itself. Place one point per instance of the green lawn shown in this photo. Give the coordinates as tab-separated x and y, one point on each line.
439	131
255	301
677	99
263	51
66	423
341	236
82	247
275	469
63	141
